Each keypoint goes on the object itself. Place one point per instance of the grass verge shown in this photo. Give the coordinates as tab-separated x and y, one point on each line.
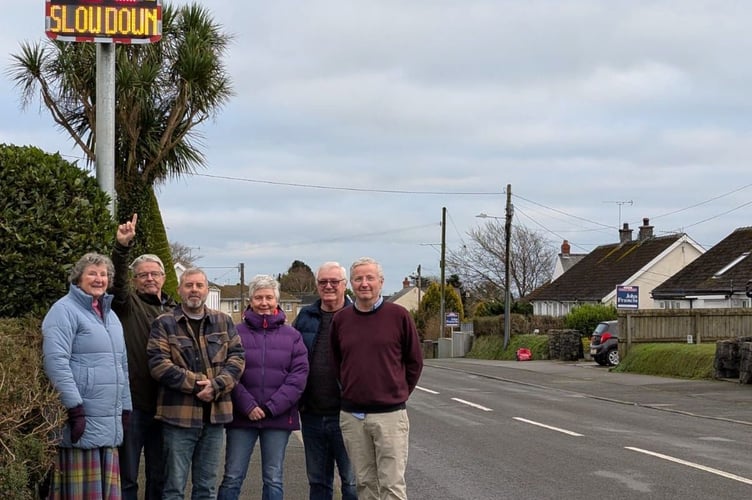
692	361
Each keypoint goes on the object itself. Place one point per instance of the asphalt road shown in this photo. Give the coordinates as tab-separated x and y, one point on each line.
552	430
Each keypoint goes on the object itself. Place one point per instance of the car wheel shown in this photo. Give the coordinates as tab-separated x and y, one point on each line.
613	357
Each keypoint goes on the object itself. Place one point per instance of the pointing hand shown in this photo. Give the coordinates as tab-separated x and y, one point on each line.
127	231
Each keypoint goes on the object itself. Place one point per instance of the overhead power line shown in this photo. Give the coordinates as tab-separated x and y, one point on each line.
354	189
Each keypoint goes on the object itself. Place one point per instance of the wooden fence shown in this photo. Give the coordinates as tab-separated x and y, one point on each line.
676	325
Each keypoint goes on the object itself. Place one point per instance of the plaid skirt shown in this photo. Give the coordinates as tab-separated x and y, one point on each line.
92	474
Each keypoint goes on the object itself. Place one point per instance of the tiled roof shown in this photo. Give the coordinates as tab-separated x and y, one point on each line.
597	274
703	275
569	260
395	296
232	292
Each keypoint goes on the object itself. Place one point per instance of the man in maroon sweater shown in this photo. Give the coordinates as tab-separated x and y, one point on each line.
378	360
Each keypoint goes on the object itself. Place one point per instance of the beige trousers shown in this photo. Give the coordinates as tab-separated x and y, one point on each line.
377	446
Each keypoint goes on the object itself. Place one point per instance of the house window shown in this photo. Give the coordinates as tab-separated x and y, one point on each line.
287	306
235	305
667	304
740	303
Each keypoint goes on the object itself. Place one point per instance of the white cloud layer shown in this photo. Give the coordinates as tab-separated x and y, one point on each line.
350	119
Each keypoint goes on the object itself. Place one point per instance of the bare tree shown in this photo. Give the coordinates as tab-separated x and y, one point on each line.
480	264
183	254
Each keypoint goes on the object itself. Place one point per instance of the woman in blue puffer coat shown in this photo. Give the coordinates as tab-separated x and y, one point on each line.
86	361
265	400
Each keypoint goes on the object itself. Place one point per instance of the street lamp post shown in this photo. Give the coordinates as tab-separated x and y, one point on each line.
507	244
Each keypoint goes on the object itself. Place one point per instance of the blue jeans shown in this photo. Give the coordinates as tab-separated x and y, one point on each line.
145	433
322	439
240	444
198	450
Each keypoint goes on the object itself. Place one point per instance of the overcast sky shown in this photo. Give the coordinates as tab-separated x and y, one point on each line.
355	122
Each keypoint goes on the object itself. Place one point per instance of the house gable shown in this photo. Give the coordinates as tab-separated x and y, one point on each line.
715	278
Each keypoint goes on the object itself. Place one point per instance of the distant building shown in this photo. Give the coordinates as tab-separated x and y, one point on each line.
718	278
645	262
566	260
213	299
409	297
233	304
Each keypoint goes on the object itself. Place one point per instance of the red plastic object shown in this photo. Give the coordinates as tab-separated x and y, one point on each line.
524	354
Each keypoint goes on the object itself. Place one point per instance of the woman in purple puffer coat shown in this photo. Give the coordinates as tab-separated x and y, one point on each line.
265	400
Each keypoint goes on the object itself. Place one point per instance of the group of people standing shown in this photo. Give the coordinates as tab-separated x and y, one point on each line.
141	375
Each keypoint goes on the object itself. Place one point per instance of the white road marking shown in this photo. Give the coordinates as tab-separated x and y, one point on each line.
718	472
557	429
474	405
425	390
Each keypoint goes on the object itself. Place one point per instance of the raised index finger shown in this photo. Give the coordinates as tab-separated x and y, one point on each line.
134	219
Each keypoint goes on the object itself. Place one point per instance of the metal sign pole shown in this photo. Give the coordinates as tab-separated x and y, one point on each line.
105	127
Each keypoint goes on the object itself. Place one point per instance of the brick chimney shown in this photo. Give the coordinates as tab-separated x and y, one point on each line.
625	234
406	283
565	248
646	230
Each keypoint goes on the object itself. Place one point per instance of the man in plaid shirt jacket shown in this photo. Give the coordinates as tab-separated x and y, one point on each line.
196	356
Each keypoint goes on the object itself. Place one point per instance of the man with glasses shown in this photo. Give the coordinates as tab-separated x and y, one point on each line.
377	360
320	404
137	303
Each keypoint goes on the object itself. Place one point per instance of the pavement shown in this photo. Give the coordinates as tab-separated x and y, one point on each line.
712	399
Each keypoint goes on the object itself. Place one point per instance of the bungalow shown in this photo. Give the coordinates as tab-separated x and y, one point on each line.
644	263
720	278
409	297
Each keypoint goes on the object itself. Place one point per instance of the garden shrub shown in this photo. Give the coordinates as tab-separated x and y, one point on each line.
51	213
30	410
584	318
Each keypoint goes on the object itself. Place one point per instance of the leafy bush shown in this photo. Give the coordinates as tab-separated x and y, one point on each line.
521	324
586	317
29	409
51	213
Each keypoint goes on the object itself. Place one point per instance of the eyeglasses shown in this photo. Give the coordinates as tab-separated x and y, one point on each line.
333	283
367	279
150	274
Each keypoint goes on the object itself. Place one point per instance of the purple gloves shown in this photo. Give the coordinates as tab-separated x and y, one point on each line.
77	422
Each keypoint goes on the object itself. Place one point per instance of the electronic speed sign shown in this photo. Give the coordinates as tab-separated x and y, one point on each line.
104	21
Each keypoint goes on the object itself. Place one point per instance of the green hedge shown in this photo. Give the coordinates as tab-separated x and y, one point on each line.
30	410
693	361
51	213
492	347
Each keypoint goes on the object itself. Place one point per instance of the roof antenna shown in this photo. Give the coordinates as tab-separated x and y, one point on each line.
620	203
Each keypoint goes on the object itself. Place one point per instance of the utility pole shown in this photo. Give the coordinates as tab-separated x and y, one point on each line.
507	283
442	319
242	288
419	286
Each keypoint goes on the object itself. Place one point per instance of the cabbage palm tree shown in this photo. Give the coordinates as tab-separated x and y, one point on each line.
163	91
